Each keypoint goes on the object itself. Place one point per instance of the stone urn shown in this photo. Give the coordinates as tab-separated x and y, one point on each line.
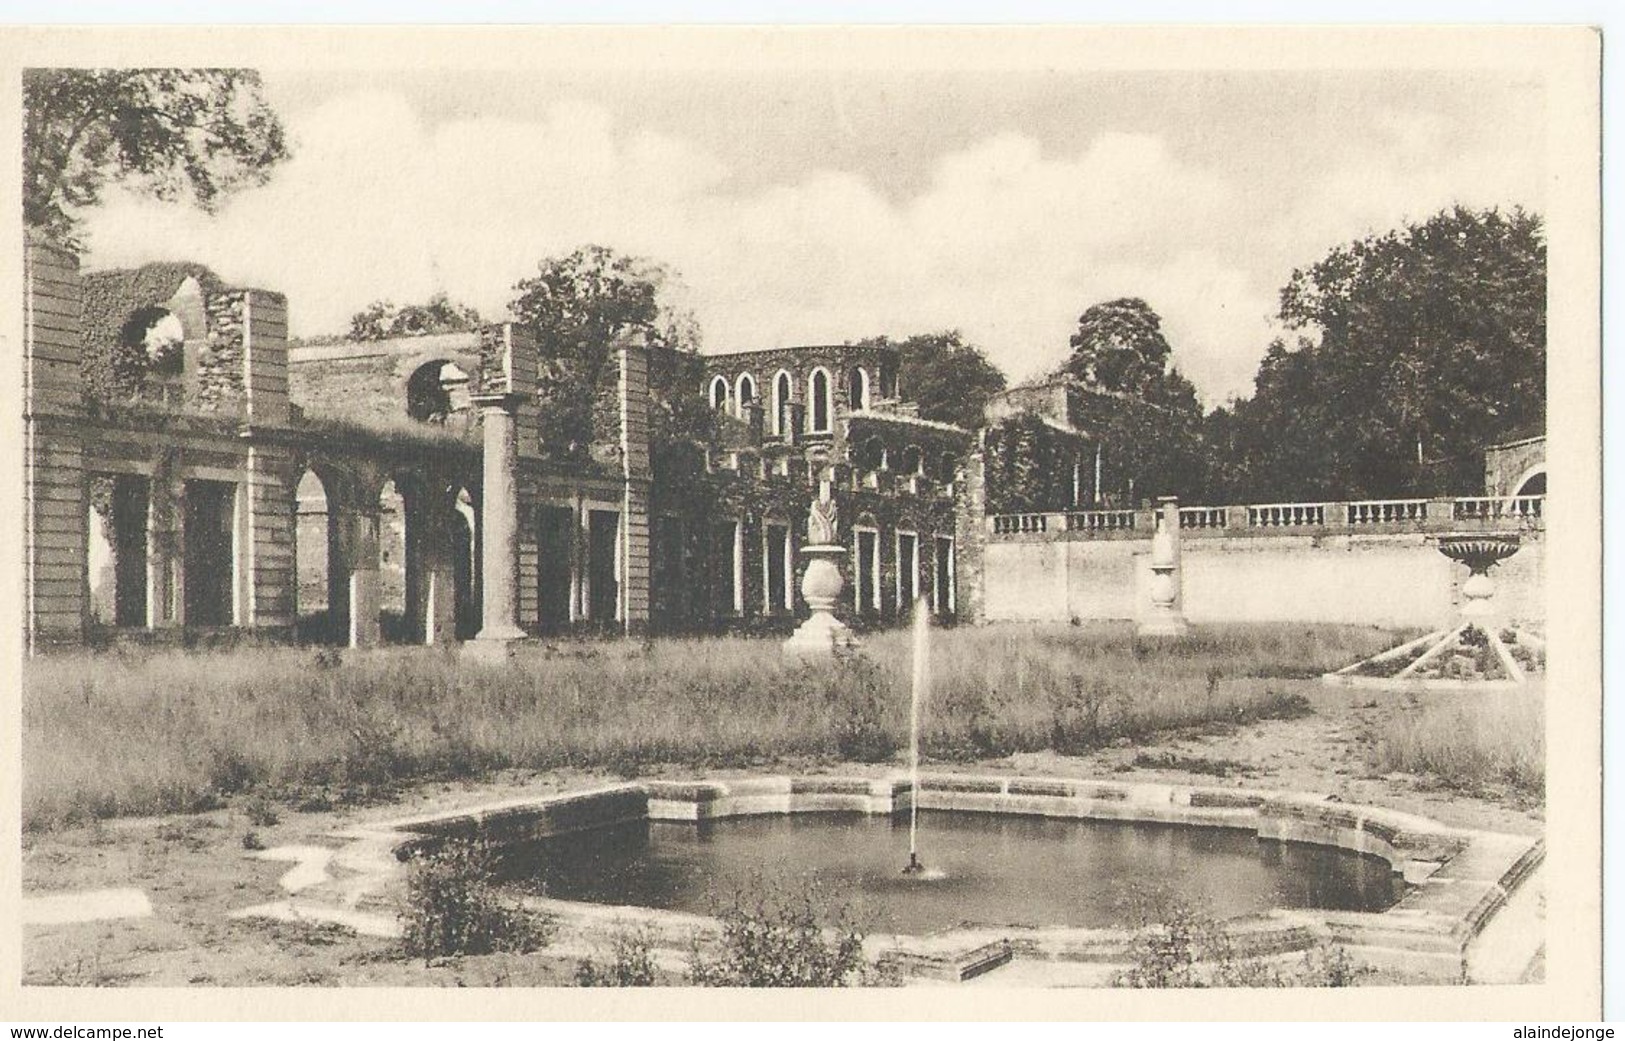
1479	553
822	634
1164	617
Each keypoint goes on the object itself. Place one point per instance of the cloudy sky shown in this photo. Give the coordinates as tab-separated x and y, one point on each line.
803	208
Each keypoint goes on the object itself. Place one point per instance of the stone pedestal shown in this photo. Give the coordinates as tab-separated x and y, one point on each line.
499	531
822	634
1165	615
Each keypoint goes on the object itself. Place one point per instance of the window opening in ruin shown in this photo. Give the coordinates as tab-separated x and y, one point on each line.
603	544
908	571
323	612
942	586
553	567
465	605
431	391
857	389
117	555
818	418
719	393
781	402
866	564
745	394
209	559
392	610
777	589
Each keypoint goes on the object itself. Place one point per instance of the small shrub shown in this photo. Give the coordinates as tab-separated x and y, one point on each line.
774	938
453	907
1181	945
262	812
630	962
252	840
1078	716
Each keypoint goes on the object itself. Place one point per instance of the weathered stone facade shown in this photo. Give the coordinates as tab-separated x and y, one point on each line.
338	491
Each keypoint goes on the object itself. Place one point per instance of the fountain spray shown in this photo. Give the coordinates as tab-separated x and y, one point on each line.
922	683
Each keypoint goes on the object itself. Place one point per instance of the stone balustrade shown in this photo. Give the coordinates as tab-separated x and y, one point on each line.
1367	515
1203	517
1521	507
1387	511
1101	520
1287	515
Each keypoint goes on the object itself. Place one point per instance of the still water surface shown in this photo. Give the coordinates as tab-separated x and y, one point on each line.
997	870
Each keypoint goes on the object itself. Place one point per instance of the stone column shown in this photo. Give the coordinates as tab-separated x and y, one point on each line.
358	544
499	530
1165	616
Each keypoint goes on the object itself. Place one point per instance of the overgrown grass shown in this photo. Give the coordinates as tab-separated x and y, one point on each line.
1470	740
134	732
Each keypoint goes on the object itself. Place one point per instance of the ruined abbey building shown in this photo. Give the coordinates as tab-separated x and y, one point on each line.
189	474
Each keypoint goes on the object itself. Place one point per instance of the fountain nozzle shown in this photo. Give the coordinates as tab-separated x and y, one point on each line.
914	865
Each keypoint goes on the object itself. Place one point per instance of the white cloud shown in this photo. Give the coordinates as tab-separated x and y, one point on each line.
1004	241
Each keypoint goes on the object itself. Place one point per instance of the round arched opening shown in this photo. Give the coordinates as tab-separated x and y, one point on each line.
1534	484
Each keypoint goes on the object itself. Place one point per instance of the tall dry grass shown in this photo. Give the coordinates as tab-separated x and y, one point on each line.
133	732
1470	740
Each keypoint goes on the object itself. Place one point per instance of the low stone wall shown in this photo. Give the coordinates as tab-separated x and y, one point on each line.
1459	879
1387	579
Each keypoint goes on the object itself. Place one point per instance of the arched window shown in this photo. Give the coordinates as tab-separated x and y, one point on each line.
947	467
428	390
857	388
818	402
781	401
913	461
869	454
744	394
719	393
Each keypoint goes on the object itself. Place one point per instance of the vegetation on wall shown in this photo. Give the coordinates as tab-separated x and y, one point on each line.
115	367
384	319
950	380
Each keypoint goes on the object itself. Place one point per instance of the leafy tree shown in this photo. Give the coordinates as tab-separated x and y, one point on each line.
382	319
172	133
949	379
577	305
1415	349
1119	346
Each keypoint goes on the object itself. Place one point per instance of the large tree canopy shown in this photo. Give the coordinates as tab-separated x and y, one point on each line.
949	379
174	133
1119	346
1416	349
577	305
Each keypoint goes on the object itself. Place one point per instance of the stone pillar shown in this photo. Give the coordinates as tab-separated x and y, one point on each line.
55	516
357	569
1165	615
633	359
970	536
499	530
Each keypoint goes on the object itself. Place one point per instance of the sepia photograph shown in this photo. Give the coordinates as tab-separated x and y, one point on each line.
939	513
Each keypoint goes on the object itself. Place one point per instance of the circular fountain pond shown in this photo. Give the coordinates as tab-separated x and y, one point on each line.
988	869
